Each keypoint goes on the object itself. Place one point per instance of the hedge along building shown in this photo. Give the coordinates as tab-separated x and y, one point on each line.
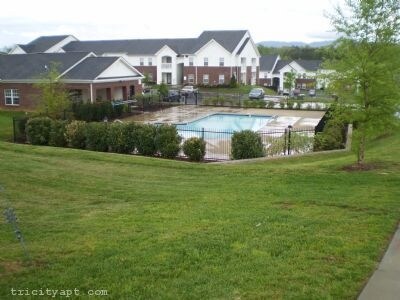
211	58
86	76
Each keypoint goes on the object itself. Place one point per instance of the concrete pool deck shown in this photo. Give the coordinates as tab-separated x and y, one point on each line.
187	113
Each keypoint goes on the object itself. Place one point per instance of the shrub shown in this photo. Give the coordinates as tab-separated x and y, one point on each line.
57	133
270	104
146	139
260	103
167	141
20	132
75	134
246	144
97	136
194	148
282	105
122	137
90	112
332	137
38	130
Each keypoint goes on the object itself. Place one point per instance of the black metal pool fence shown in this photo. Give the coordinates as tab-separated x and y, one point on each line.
277	142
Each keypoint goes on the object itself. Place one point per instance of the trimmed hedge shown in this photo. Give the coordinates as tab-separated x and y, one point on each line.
96	134
97	111
75	134
146	139
194	148
167	141
57	133
246	144
122	137
38	130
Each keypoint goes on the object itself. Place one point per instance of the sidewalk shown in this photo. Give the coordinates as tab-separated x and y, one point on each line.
385	282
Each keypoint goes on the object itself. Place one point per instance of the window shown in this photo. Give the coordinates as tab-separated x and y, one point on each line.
191	78
205	61
142	61
253	61
221	61
206	79
191	61
150	61
265	75
11	96
221	79
243	61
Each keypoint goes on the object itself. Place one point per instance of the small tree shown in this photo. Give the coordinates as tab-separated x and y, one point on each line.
233	82
289	80
366	61
163	89
54	97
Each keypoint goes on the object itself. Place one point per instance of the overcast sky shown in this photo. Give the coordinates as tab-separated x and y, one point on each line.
280	20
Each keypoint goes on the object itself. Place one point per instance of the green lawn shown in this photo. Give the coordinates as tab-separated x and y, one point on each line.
6	124
143	228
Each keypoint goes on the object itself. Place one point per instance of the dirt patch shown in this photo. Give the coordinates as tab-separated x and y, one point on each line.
364	167
14	267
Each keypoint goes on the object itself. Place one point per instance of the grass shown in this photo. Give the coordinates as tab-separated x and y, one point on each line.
6	124
143	228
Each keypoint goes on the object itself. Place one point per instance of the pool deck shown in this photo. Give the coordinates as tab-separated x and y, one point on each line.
187	113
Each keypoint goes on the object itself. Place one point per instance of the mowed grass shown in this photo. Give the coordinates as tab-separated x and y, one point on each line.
144	228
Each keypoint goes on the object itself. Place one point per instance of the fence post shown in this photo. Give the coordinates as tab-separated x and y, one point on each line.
289	136
14	131
202	133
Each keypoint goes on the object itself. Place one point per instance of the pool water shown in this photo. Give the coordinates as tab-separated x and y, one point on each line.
228	122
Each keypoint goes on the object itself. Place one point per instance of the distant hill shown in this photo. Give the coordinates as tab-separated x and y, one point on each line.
279	44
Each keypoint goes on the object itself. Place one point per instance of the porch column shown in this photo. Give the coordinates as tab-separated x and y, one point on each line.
91	93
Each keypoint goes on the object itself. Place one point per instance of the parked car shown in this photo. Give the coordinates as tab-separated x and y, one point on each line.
189	89
173	95
285	92
312	93
257	93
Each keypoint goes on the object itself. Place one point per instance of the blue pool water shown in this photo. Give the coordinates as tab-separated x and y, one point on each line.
228	122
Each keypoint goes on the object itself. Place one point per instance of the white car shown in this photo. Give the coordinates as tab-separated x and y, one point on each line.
189	89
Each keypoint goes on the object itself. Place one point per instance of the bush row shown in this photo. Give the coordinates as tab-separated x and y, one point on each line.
90	112
145	139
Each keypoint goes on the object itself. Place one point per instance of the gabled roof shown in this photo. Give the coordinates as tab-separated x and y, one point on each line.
90	68
32	66
309	65
43	43
229	39
280	64
135	47
267	62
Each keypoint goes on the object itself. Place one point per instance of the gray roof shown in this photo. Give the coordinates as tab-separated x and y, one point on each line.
309	64
32	66
138	47
90	68
228	39
43	43
267	62
280	64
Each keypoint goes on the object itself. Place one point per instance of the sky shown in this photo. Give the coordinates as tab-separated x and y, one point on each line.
267	20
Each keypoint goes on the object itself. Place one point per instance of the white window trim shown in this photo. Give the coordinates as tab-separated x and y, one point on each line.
205	61
221	61
191	78
14	94
208	79
221	79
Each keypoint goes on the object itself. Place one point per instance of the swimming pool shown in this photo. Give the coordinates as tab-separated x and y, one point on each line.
228	122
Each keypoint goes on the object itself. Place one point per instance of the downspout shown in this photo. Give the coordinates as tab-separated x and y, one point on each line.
91	93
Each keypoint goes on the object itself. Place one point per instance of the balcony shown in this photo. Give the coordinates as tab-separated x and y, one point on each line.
166	66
